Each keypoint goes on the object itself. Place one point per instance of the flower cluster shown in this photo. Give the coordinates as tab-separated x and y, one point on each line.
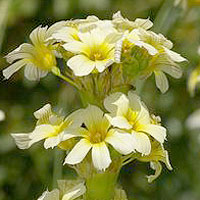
102	60
126	127
91	46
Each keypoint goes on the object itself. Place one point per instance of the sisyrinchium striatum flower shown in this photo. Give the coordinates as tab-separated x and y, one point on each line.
96	135
38	57
51	127
131	115
102	59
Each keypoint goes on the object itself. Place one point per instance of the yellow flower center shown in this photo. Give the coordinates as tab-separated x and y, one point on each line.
131	116
127	45
44	58
97	136
99	52
59	128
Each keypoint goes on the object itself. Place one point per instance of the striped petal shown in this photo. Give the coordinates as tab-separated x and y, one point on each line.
81	65
78	153
156	131
9	71
161	81
33	73
142	143
100	156
122	142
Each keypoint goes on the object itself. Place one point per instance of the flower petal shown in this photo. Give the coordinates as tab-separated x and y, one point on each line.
143	116
151	50
53	141
109	100
142	143
173	70
102	65
81	65
100	156
38	35
158	168
9	71
122	104
144	23
78	153
43	112
75	192
40	132
33	73
174	56
122	142
66	34
23	51
75	47
22	140
53	195
94	119
77	118
134	101
156	131
161	81
120	122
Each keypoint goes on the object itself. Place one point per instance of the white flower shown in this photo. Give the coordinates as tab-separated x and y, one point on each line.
95	136
65	192
51	127
95	51
66	34
38	57
164	60
130	114
129	40
124	24
161	65
69	33
2	115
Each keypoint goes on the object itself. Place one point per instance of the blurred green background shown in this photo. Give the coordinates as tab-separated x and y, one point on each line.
26	174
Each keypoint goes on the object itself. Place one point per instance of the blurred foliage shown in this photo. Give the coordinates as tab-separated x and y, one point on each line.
25	174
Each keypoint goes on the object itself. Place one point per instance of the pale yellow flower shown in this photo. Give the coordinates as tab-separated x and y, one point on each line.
158	154
71	31
164	61
66	191
94	51
95	136
123	24
128	41
131	115
38	57
51	127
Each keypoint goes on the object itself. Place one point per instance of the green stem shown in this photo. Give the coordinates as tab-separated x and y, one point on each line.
67	80
57	168
101	186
